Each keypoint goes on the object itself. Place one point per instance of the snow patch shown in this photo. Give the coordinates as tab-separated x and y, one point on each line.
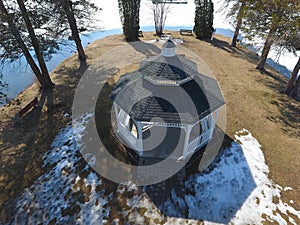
64	190
235	190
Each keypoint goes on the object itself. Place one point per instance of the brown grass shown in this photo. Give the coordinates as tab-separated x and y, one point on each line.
254	101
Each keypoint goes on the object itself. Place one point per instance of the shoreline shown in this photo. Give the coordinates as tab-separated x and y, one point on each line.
88	38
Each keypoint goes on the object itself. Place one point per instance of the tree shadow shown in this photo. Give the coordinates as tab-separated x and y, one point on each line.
145	48
289	115
23	144
221	44
214	195
29	128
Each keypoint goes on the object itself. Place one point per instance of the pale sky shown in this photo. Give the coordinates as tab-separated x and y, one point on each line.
180	15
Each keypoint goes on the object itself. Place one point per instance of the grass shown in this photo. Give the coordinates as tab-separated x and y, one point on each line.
254	101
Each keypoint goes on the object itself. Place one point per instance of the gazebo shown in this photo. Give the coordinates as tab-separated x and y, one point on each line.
167	93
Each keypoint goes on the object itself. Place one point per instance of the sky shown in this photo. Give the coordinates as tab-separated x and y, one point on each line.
180	15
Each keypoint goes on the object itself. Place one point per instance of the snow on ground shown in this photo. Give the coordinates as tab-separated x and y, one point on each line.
63	191
236	190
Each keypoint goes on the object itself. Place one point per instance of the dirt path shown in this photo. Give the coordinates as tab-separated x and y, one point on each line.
253	100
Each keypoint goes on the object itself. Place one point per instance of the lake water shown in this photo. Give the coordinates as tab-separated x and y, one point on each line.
18	75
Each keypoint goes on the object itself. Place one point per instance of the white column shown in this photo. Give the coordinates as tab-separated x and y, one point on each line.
140	136
213	122
117	116
187	130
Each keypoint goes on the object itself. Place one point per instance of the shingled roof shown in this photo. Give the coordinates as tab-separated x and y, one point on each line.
162	68
186	103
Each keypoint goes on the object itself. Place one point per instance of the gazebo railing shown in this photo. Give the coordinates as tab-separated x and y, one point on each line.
129	137
199	141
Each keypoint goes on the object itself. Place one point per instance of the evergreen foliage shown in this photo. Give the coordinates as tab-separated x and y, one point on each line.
204	15
273	20
50	24
129	15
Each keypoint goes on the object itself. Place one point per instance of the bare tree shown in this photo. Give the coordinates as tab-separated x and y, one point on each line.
160	10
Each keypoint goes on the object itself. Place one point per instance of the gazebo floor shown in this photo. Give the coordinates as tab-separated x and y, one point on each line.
169	140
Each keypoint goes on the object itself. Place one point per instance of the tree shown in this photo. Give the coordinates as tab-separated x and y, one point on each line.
66	18
268	19
67	6
3	89
9	47
236	12
129	15
35	43
238	24
160	11
267	46
204	15
293	84
8	22
51	25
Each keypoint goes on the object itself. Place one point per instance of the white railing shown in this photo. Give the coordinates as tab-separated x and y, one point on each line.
129	137
199	141
162	124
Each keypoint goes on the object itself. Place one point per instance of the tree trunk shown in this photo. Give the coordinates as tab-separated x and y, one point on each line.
47	80
295	88
291	82
267	47
239	24
67	4
15	31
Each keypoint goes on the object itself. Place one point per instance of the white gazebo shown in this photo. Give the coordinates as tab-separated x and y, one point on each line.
167	93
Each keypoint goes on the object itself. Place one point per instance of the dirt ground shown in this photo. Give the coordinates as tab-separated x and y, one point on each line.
254	101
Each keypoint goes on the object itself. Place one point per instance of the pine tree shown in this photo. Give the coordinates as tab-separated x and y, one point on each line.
36	46
293	84
269	19
8	24
67	6
236	10
129	15
204	19
54	21
66	18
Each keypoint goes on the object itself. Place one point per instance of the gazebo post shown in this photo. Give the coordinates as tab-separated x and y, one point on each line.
117	116
214	121
187	129
140	136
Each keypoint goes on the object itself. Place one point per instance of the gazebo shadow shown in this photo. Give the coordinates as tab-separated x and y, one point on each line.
214	195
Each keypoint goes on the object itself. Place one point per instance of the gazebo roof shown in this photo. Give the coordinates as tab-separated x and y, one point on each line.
169	44
183	103
162	69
